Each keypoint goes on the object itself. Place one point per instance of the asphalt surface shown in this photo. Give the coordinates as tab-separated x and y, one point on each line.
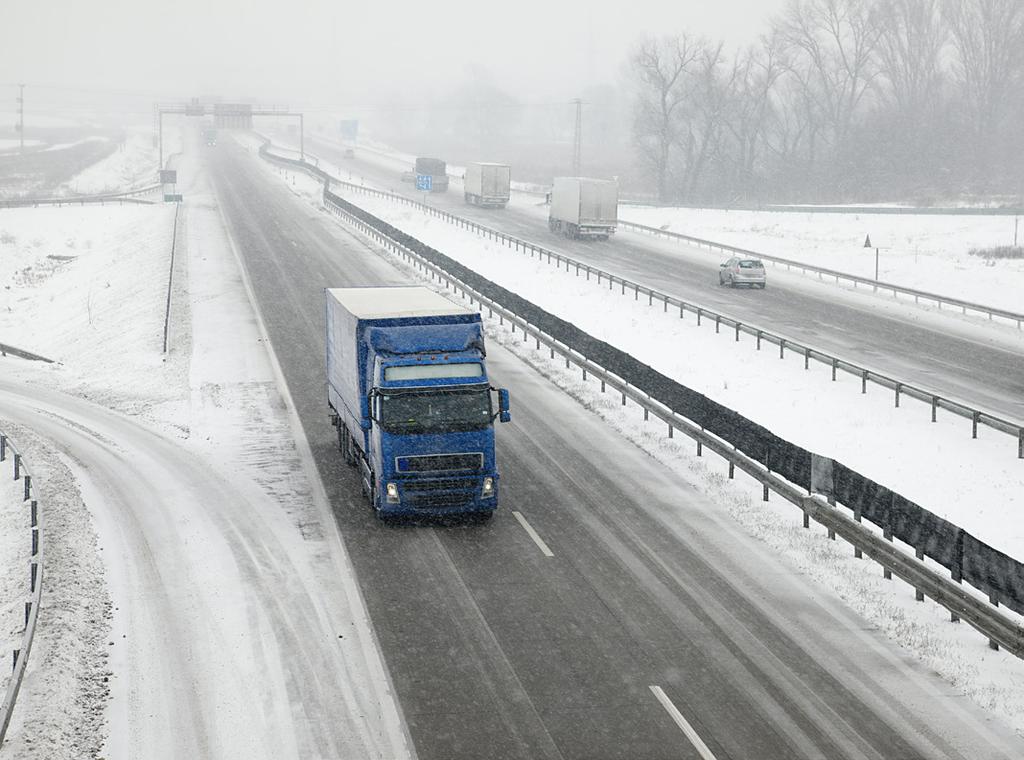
915	349
497	650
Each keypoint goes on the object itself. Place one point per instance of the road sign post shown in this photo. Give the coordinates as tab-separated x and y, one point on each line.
867	244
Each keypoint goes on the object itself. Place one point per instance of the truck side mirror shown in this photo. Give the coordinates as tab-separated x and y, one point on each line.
504	410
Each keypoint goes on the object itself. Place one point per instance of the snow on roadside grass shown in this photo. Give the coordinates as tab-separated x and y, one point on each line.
132	164
70	279
925	252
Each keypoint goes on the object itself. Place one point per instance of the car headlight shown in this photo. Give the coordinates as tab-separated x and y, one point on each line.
488	489
392	493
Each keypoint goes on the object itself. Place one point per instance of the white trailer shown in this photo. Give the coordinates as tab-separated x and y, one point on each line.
488	184
584	207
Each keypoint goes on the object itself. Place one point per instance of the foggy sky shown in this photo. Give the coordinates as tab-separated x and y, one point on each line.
315	51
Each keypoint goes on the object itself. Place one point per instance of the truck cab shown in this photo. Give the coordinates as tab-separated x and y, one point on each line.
433	422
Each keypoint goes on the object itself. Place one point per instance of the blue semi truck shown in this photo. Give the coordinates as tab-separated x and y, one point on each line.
409	394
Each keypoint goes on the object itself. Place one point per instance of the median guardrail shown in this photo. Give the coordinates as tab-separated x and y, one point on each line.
790	264
781	467
21	655
899	388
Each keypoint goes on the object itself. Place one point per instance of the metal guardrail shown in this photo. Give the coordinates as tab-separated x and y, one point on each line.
130	196
818	209
900	388
919	295
170	274
947	592
21	655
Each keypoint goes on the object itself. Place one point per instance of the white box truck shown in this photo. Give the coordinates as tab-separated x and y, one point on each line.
584	207
488	184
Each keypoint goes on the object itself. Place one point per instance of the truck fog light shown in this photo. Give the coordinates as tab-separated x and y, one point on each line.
392	490
488	489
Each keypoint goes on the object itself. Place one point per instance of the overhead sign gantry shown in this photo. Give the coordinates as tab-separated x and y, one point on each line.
226	116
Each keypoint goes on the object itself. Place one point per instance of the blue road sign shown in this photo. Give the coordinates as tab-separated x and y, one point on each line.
424	182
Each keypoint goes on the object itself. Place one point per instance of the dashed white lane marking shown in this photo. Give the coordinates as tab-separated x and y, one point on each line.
683	723
533	534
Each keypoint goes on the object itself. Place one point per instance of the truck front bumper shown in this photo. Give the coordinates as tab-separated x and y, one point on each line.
440	496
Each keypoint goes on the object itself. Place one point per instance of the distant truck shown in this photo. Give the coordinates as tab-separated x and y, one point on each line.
488	184
584	207
436	169
409	395
210	135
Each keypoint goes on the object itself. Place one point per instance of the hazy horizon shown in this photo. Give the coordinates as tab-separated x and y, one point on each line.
346	55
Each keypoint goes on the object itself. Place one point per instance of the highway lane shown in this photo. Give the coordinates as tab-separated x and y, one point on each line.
497	650
912	347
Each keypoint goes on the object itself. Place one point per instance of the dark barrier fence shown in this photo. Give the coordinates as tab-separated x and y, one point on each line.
967	558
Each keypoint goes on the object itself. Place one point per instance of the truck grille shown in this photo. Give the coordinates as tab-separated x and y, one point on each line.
439	493
441	463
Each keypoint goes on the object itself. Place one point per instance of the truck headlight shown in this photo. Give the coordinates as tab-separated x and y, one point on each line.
392	493
488	489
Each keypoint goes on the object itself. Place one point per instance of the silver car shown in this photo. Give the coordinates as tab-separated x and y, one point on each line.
737	271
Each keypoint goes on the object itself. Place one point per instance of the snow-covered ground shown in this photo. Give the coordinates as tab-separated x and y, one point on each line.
64	146
925	252
58	270
7	144
994	680
133	164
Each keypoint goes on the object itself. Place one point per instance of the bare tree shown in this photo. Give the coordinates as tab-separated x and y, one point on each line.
910	44
703	120
831	45
661	66
755	73
988	36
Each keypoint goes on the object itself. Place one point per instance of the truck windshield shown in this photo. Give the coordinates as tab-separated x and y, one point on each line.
436	411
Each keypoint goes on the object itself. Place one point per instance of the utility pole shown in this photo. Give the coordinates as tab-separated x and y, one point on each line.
577	138
21	117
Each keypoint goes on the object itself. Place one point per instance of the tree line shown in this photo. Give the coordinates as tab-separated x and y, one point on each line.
840	100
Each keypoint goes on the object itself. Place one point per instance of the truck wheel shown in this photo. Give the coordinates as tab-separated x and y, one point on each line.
552	225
